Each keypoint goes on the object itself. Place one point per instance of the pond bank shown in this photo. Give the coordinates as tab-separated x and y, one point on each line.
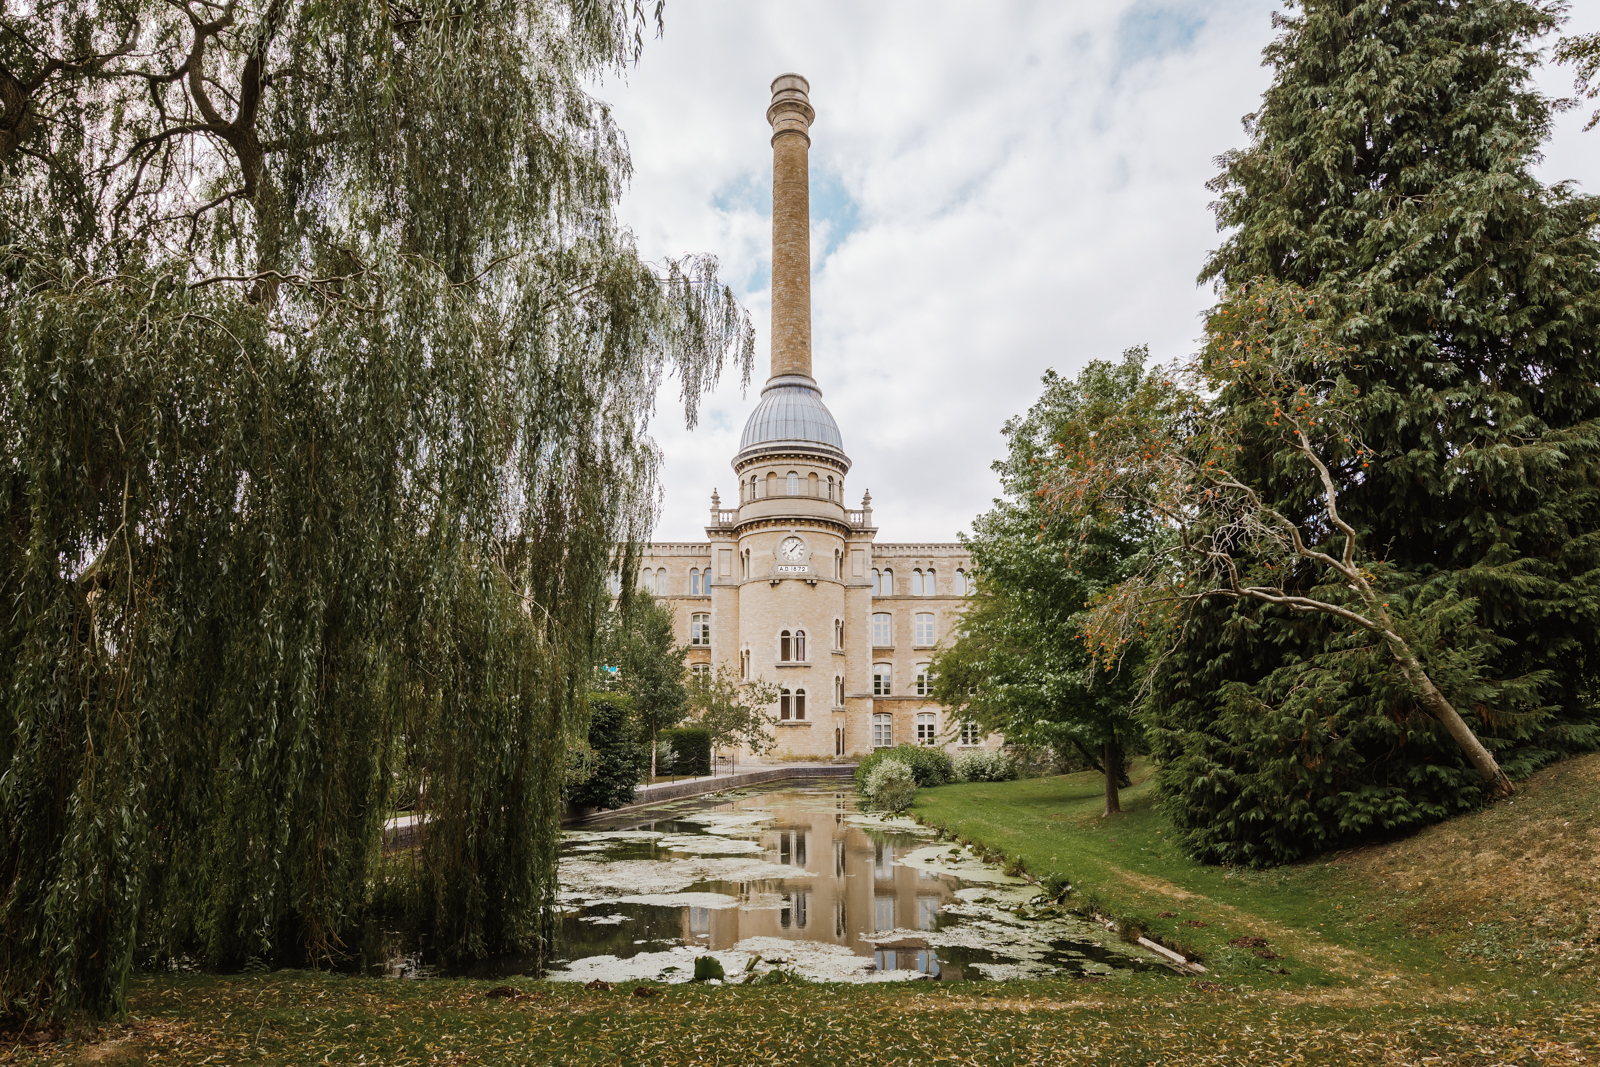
646	795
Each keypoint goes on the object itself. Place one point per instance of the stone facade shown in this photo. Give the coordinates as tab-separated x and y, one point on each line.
791	586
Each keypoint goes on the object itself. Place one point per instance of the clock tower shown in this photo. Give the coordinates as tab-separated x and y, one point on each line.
790	586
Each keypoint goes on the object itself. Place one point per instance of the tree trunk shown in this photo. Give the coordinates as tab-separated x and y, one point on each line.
1480	757
652	753
1113	767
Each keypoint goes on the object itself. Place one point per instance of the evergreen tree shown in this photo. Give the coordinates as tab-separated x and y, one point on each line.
1020	666
1388	172
325	378
617	758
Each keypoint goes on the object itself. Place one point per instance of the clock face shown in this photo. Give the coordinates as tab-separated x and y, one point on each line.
791	550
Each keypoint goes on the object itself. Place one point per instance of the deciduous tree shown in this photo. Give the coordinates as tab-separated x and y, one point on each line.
1019	665
736	712
325	379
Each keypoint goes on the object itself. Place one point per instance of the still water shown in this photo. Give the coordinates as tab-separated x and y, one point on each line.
798	877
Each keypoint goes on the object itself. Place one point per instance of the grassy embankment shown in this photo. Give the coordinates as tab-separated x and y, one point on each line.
1469	943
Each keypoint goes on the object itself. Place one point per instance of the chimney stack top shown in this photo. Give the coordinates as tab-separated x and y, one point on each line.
791	111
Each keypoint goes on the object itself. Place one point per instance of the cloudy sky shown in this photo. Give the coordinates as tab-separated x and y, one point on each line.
996	189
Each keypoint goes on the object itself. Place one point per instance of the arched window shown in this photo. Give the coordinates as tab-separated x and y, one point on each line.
811	484
772	483
700	629
838	690
616	584
838	564
694	581
877	578
927	728
916	582
922	625
888	582
785	704
647	580
754	487
785	647
830	487
970	734
882	630
800	646
792	484
799	703
744	665
838	633
699	673
930	584
882	679
959	586
924	683
744	563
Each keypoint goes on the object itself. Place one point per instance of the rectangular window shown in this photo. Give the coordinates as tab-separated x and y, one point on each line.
970	736
882	731
927	728
924	683
882	630
882	676
927	913
883	921
700	629
923	625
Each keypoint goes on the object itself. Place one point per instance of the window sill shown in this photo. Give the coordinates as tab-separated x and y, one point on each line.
792	663
794	722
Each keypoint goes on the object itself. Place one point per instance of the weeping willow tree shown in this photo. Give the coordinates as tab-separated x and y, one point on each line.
327	373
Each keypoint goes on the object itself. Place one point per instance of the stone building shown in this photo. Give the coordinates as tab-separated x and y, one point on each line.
791	585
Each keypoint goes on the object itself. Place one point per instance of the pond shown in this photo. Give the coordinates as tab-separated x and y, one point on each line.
796	876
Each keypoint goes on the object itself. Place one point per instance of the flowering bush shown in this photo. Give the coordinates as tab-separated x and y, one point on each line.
890	787
985	766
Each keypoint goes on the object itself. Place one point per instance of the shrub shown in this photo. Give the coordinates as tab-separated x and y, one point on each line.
619	760
931	766
985	766
691	747
891	786
707	968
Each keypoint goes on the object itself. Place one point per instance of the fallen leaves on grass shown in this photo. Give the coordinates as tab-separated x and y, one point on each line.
1249	942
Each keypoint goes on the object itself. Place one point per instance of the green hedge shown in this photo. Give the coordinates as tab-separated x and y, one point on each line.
929	765
691	750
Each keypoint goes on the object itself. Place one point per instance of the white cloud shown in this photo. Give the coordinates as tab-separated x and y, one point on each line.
997	189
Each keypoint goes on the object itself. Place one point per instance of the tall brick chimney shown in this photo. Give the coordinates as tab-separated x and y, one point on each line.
791	115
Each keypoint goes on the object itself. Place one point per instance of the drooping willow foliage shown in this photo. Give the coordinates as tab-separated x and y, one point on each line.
325	375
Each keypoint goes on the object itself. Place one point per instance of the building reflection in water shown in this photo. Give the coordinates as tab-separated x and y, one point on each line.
856	882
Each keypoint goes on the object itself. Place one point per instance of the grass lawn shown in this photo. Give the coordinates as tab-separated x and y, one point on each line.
1510	894
1473	942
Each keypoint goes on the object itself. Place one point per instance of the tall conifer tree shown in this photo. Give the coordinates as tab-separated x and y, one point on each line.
1388	171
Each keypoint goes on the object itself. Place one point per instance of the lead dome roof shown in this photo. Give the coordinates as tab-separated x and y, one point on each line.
791	411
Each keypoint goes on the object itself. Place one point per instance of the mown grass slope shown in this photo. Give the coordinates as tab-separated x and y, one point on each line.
1513	890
